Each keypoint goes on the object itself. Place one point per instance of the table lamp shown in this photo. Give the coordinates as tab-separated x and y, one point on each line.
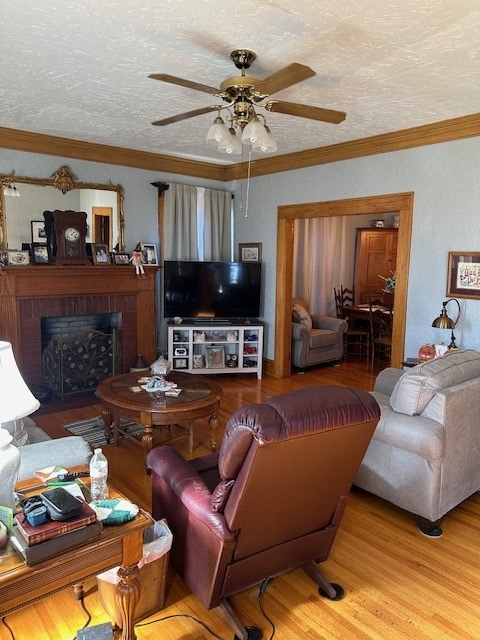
445	322
16	401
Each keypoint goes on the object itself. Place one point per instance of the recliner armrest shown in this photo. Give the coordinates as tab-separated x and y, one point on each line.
187	485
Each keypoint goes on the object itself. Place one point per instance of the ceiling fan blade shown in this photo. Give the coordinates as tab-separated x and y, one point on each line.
164	77
184	116
286	77
306	111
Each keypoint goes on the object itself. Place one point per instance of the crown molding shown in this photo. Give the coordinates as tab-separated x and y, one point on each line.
66	148
443	131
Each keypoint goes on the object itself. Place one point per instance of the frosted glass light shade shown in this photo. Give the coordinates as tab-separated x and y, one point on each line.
232	145
16	399
217	133
265	145
253	132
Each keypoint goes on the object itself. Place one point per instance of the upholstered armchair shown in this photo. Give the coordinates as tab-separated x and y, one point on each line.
315	339
425	452
271	499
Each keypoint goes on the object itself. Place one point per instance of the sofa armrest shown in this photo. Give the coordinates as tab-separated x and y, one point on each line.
299	331
65	452
387	379
329	323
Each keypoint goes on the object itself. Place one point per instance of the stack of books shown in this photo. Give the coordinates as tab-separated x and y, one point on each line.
38	543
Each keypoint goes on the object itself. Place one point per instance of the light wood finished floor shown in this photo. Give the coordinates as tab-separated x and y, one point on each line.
398	583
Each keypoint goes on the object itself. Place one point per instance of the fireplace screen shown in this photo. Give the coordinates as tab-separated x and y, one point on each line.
80	361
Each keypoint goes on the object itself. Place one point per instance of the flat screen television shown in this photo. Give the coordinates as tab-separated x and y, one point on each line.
216	290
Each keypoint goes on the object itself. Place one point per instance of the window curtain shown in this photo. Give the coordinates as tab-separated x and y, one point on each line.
217	231
197	223
180	223
319	265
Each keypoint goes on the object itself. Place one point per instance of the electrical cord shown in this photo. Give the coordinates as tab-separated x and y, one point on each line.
8	627
182	615
80	598
261	592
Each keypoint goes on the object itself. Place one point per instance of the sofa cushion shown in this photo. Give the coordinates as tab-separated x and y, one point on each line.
301	315
418	385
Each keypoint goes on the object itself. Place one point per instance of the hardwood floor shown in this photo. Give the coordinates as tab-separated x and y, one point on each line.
398	583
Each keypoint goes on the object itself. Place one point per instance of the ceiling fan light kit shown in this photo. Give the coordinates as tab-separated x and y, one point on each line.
242	94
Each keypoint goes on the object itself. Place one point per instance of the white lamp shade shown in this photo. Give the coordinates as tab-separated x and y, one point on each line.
265	145
253	132
16	399
218	132
232	145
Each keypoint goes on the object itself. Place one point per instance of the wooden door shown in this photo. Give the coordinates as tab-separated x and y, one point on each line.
376	255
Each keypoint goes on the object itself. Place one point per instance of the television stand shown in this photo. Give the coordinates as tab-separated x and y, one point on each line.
212	346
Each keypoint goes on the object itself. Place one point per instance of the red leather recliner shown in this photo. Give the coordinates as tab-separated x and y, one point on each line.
271	499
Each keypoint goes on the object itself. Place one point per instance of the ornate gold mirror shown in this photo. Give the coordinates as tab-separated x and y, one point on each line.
103	204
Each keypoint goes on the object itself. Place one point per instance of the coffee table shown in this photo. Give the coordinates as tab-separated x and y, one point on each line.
121	545
121	398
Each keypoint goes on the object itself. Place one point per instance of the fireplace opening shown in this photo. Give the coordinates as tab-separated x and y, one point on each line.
78	352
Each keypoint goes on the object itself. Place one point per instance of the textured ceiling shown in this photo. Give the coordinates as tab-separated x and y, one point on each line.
79	69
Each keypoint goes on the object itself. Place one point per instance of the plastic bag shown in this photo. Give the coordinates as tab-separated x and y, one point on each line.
157	541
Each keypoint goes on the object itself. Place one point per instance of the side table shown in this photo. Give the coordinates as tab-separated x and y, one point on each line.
122	545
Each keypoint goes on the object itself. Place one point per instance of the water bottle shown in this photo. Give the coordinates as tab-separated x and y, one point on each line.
98	476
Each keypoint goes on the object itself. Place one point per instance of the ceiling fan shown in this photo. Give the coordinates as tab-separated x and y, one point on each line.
242	94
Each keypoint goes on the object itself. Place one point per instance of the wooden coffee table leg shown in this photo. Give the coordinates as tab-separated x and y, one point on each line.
107	424
128	594
213	422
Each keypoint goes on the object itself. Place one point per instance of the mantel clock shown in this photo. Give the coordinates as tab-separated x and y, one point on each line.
66	234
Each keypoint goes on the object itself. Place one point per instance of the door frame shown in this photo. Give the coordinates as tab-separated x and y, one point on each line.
397	203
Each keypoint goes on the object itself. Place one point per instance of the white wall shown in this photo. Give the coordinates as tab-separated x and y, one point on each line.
446	181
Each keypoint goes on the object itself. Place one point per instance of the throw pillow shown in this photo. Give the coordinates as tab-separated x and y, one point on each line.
301	315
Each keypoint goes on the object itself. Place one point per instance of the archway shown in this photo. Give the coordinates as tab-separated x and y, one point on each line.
399	203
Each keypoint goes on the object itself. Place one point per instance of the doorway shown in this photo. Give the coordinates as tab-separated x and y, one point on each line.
400	204
102	226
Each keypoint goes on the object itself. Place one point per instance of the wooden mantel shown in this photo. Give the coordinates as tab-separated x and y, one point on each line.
29	293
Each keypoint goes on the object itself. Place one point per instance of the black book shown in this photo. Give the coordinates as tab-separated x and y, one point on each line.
36	553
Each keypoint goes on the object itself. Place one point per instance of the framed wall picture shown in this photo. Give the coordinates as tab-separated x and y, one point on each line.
463	274
18	258
39	253
39	235
250	252
149	253
120	258
100	254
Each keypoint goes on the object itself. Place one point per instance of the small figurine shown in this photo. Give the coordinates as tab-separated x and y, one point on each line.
137	259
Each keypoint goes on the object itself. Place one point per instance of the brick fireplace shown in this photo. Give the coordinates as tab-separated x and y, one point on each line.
31	293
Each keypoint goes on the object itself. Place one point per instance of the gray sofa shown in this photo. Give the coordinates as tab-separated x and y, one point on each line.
38	450
315	339
425	453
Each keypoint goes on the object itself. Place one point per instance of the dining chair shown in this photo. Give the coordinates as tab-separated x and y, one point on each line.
380	330
357	336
